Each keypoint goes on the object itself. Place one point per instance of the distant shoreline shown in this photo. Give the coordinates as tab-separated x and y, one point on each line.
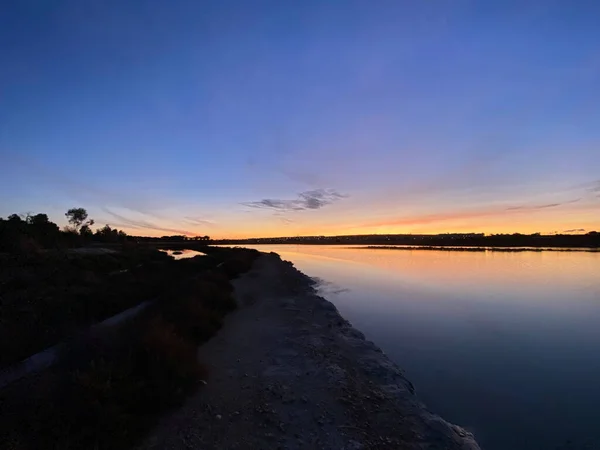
590	240
476	249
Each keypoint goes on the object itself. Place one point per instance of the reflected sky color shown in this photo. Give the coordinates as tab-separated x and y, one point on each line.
505	344
183	254
238	119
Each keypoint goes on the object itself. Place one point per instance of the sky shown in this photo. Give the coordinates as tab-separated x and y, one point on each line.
284	118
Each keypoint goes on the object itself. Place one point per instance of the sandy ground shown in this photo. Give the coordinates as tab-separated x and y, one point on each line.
288	372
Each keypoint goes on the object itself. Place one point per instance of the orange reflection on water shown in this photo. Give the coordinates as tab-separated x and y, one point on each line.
488	271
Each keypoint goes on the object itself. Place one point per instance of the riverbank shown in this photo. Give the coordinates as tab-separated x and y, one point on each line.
287	371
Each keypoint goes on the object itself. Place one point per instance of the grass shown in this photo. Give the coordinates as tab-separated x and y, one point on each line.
111	386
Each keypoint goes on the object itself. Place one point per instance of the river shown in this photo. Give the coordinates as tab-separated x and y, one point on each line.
504	344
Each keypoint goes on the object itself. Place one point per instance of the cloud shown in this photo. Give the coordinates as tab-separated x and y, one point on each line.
77	190
432	218
143	224
590	187
315	199
547	205
465	215
199	221
575	230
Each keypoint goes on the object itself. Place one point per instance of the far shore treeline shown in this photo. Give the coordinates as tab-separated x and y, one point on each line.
588	240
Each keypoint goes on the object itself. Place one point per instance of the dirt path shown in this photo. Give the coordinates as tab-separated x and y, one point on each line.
288	372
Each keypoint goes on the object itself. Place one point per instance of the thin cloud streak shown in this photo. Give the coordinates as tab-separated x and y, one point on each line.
462	215
432	218
142	224
548	205
79	190
197	221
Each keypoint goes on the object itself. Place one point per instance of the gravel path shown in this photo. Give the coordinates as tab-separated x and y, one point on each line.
287	371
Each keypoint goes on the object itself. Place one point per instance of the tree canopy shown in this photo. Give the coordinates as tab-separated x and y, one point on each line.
78	218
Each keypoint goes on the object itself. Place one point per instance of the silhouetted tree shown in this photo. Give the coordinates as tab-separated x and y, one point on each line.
108	234
38	220
78	218
15	218
40	228
21	235
86	231
175	238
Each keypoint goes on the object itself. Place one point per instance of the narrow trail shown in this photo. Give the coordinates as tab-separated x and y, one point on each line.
287	371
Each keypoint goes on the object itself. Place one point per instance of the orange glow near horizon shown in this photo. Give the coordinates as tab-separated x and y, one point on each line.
488	223
465	228
570	218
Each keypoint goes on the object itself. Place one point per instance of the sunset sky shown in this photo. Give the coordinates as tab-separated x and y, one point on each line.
274	118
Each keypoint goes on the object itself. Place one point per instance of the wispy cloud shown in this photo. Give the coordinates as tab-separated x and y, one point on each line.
315	199
464	215
199	221
79	190
143	224
425	219
589	187
575	230
544	206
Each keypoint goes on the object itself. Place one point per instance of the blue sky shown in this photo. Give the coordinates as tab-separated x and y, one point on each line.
238	118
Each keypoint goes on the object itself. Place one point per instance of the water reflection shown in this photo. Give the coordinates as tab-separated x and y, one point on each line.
505	344
182	254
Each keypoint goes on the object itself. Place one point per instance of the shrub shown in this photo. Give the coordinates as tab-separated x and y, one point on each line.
240	261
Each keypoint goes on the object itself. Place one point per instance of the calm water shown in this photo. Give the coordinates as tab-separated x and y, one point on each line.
505	344
182	254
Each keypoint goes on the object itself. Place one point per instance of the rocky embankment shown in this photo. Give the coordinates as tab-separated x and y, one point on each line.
287	371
